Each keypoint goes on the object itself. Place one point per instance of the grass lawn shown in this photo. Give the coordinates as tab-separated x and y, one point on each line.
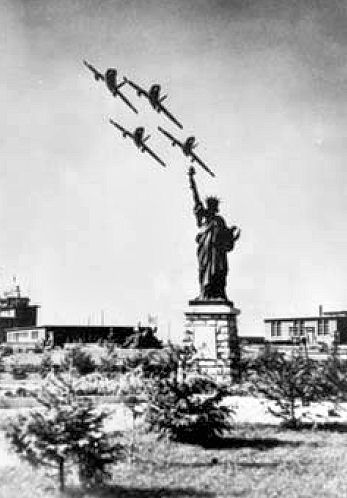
254	462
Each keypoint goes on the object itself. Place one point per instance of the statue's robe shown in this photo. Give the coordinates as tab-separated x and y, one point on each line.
214	241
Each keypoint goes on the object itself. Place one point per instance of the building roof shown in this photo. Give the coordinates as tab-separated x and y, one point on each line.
335	313
79	327
321	314
316	317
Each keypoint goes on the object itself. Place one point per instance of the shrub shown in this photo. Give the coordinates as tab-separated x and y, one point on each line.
289	382
19	372
334	375
46	365
7	351
162	363
80	360
21	392
111	363
152	363
68	430
188	411
132	390
38	348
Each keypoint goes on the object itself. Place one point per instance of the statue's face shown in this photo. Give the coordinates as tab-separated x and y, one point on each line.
212	209
211	213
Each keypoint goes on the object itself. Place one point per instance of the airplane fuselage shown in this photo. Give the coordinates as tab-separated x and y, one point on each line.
188	146
138	136
111	80
154	97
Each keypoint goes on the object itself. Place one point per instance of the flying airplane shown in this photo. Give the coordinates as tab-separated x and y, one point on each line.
110	79
187	147
154	98
139	140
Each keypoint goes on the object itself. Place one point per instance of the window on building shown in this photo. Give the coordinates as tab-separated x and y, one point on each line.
326	327
294	331
273	329
34	334
320	327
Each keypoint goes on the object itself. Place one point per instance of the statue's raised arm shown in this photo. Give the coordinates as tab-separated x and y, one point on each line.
199	209
192	184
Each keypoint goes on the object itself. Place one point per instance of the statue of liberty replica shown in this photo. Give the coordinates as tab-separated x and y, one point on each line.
214	240
211	325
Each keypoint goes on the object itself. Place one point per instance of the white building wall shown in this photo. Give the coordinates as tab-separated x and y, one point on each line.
268	331
332	326
30	335
308	328
285	330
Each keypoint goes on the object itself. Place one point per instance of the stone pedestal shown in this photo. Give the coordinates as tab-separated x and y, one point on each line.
211	327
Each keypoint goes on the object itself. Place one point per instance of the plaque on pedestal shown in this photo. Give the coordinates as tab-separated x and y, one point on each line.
211	327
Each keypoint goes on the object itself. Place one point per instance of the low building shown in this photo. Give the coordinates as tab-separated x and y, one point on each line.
321	329
26	338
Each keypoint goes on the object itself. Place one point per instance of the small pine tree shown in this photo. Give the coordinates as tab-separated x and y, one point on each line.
189	411
68	430
334	375
289	382
46	365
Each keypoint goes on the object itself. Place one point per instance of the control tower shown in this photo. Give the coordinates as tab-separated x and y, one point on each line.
16	311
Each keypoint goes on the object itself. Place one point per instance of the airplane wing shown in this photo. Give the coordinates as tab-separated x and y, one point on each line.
125	132
139	89
202	164
150	151
127	102
170	116
97	74
170	137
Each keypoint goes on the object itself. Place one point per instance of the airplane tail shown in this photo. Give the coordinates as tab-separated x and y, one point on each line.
86	63
121	84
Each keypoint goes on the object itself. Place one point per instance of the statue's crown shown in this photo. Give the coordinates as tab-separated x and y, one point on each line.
212	202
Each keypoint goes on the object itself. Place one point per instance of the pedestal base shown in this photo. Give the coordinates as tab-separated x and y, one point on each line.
211	327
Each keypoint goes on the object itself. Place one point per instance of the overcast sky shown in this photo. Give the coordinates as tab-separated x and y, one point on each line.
89	224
